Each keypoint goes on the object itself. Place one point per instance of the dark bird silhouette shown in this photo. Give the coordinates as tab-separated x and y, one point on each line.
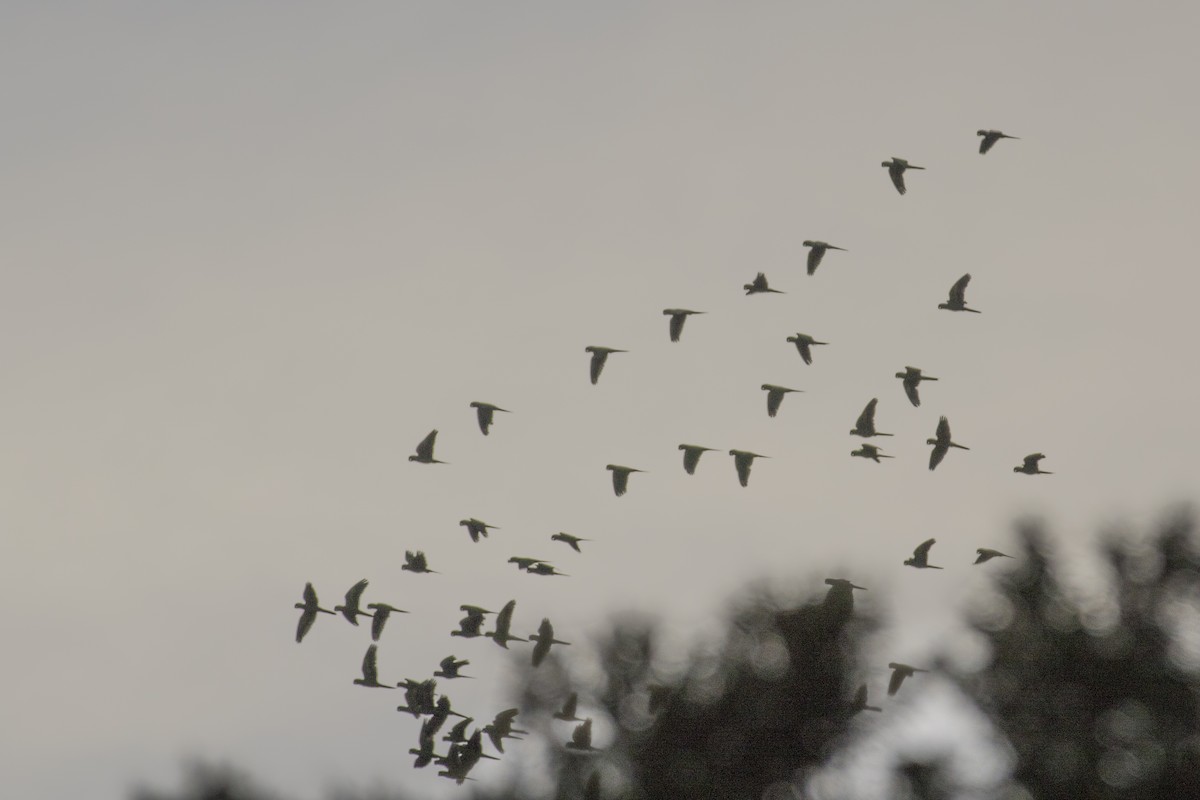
987	554
310	610
476	528
899	673
370	676
678	317
990	138
441	710
544	638
912	378
567	538
425	450
942	443
775	396
458	733
870	451
472	749
804	344
501	728
544	568
350	610
743	460
567	712
424	752
958	296
599	356
759	285
470	626
620	477
524	562
896	169
382	612
501	635
416	562
1030	467
450	666
842	583
817	252
418	696
865	425
920	556
485	412
581	739
860	701
840	597
691	456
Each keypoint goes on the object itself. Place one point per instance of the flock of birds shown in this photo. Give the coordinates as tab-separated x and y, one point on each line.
422	700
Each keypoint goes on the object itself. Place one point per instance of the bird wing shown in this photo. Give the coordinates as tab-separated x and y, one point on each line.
805	350
936	455
598	358
582	737
677	321
310	595
540	651
691	458
378	621
958	291
943	430
504	719
307	617
774	398
425	448
568	709
504	618
370	675
910	388
898	676
989	139
1031	460
743	461
815	255
866	420
760	281
897	173
860	696
922	551
355	594
620	481
485	414
546	630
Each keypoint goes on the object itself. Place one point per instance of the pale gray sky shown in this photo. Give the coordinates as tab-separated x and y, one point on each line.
253	253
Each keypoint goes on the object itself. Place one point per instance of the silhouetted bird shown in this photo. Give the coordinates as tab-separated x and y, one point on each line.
804	344
678	317
691	456
860	701
912	378
1030	467
567	712
775	396
620	477
350	610
567	538
817	252
523	562
472	749
476	528
865	425
310	611
382	612
759	285
501	728
451	665
899	673
458	733
425	450
941	444
599	356
501	635
920	556
485	412
424	752
370	676
896	169
418	696
990	138
545	568
839	600
987	554
581	739
743	460
869	451
958	296
544	638
470	626
415	562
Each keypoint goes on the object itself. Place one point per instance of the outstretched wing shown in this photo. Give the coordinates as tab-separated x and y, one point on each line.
866	420
989	139
597	366
1031	460
774	398
370	674
691	458
425	448
897	173
485	414
936	455
910	389
743	462
958	291
922	551
307	617
677	321
898	676
815	254
620	481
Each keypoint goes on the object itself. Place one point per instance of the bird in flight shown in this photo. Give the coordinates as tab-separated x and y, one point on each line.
896	169
449	666
501	635
759	285
544	568
920	556
476	528
743	459
987	554
581	739
990	138
501	728
958	299
1030	466
804	344
912	378
775	396
620	477
567	538
599	356
691	456
425	450
941	444
350	610
678	317
370	677
416	562
870	451
485	411
865	426
524	562
470	626
899	673
458	733
840	595
380	618
544	638
817	252
860	701
567	712
310	611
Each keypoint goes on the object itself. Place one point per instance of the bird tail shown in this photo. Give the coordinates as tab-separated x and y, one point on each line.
959	446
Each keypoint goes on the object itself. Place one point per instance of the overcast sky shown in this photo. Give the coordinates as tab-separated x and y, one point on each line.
253	253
